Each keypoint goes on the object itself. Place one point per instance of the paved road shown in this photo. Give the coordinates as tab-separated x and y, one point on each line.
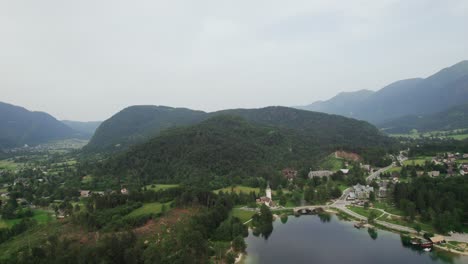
377	173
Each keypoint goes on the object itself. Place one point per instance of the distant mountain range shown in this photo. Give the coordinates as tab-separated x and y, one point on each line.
20	126
445	89
85	128
138	124
453	118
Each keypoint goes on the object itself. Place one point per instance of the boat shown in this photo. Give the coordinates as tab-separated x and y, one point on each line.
427	249
426	244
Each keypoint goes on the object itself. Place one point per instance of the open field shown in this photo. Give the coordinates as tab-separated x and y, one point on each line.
147	208
243	215
87	179
387	207
244	189
8	165
393	169
332	163
41	216
417	161
439	134
157	187
238	189
364	212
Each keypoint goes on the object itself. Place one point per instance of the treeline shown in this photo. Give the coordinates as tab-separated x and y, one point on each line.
16	229
227	150
442	202
191	240
431	147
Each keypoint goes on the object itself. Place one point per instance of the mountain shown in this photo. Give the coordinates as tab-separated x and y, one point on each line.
344	102
136	124
85	128
20	126
230	145
446	88
453	118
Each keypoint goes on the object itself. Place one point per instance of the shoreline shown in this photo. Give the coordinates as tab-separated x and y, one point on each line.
353	219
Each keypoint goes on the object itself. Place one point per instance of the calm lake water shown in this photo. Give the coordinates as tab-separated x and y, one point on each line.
310	239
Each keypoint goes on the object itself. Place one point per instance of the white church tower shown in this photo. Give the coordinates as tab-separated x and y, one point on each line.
268	191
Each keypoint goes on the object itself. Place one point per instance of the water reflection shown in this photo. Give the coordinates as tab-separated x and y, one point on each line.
325	239
372	233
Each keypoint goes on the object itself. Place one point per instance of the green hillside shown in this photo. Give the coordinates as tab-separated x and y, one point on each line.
227	145
137	124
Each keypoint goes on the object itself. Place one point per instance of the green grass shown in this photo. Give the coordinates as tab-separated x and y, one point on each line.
41	216
439	134
87	179
393	169
147	208
8	165
384	205
158	187
244	189
332	163
417	161
400	221
459	137
243	215
33	237
342	186
364	212
238	189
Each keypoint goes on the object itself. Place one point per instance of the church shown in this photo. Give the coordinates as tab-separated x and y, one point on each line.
267	200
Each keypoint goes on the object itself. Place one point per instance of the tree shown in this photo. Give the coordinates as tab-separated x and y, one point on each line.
239	244
372	196
372	216
418	228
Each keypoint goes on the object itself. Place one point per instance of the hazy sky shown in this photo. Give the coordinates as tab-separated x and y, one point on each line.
87	59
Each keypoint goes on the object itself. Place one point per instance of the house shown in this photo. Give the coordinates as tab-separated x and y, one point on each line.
434	173
437	239
382	193
344	171
289	174
361	191
464	171
465	156
320	174
85	193
366	167
351	196
267	200
419	173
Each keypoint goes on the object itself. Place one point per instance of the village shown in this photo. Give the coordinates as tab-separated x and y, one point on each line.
371	203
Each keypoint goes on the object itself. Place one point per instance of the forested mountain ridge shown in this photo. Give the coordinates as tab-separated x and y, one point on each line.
444	89
453	118
136	124
20	126
224	147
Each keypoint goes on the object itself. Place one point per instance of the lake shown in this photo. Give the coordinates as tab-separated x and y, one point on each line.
314	239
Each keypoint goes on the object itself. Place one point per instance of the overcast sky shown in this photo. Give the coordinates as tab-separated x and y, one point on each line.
87	59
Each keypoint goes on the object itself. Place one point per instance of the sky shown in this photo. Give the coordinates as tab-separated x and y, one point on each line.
86	60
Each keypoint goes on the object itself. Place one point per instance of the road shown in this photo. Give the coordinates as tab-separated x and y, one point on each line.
377	173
